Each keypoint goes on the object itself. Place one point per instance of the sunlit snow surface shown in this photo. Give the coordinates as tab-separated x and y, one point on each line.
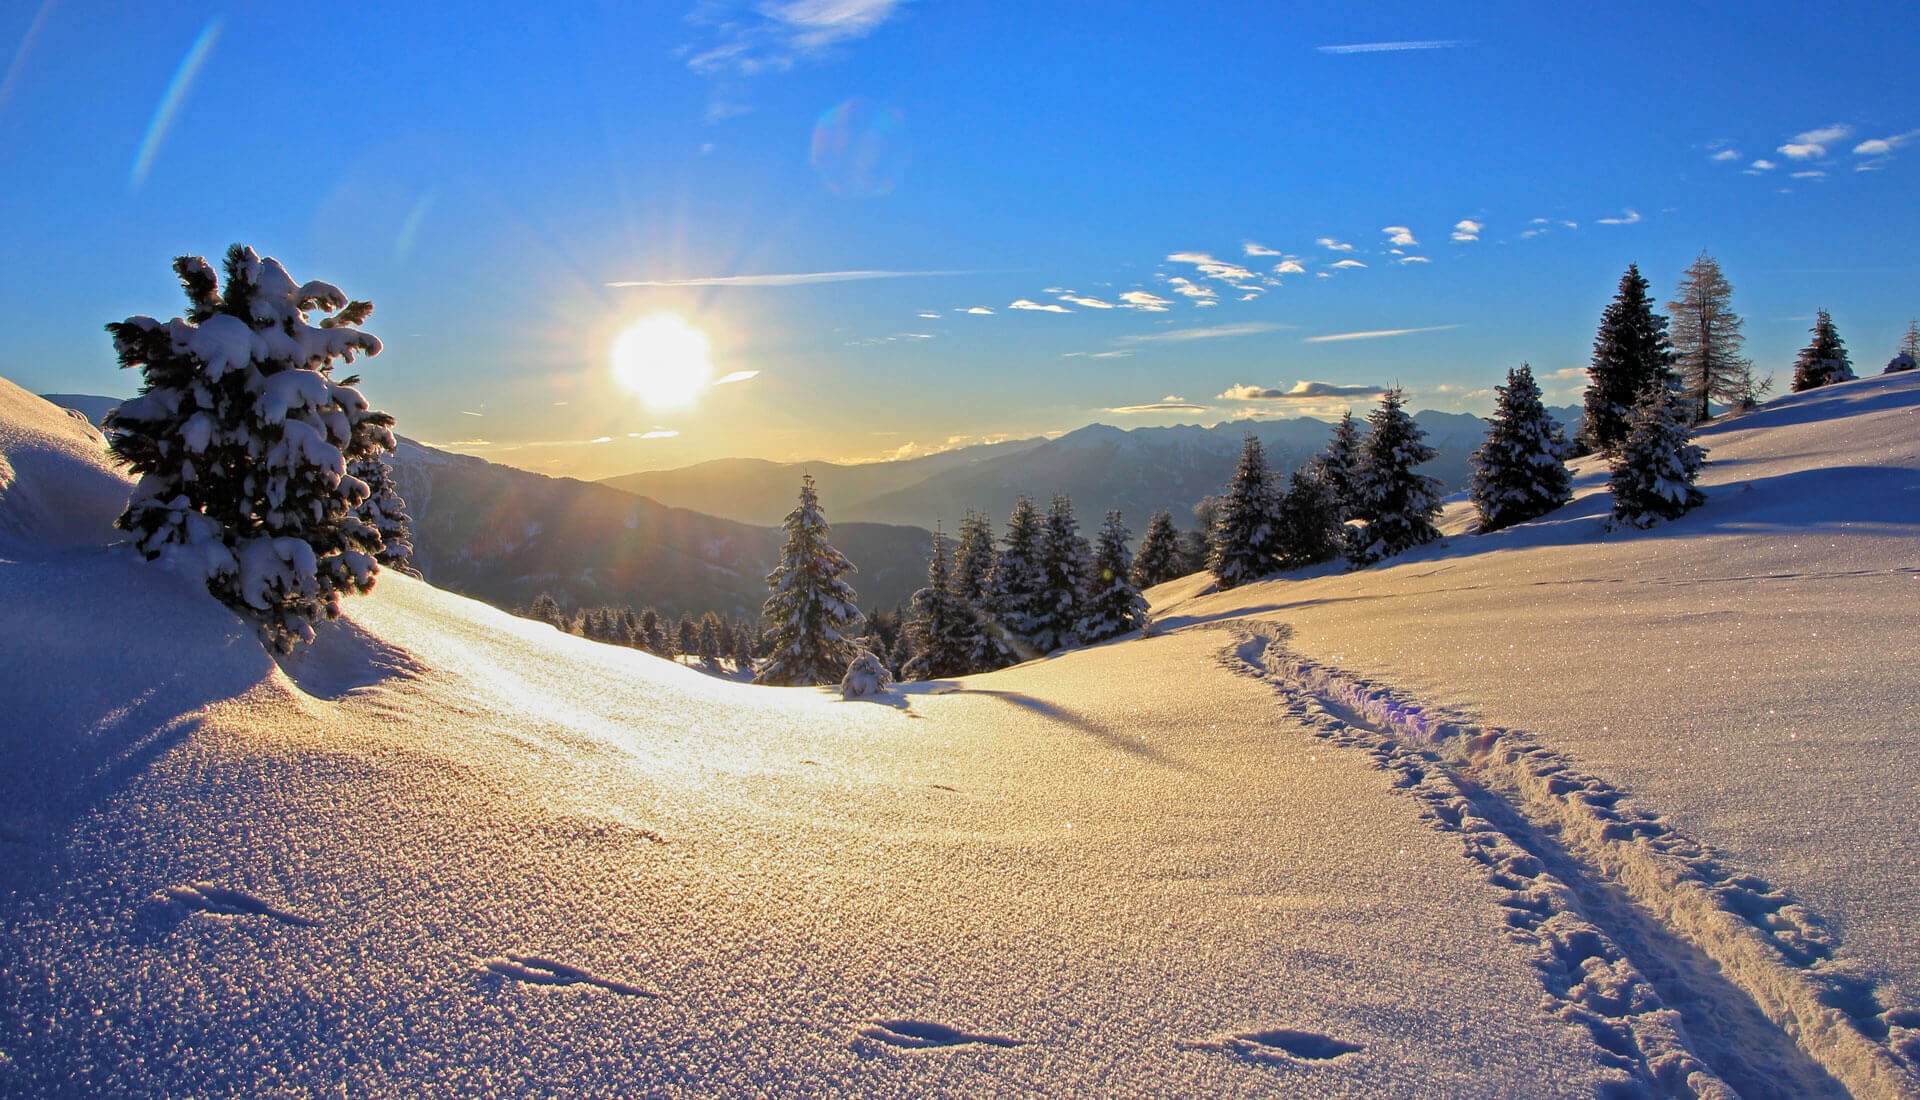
451	852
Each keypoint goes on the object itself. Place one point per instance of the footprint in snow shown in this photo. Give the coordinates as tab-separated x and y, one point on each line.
927	1035
1280	1044
535	970
222	901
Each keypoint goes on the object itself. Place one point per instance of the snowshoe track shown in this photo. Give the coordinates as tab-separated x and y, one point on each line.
1697	980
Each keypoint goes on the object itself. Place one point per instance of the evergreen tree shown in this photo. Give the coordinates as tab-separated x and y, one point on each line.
813	612
1707	340
1908	357
1019	574
1194	548
1066	561
942	625
974	568
1159	560
1654	469
1824	360
653	637
743	650
1520	472
1245	532
900	657
723	635
1113	606
866	676
1338	464
710	639
687	636
241	439
1630	352
1311	530
546	609
385	512
1398	504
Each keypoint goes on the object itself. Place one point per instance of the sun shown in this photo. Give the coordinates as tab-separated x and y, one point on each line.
663	359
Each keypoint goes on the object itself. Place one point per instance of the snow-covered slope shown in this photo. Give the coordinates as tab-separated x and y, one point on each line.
451	852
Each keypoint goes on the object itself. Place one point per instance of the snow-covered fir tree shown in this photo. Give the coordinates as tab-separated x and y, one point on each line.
1338	464
1630	352
866	677
653	637
241	439
900	657
709	639
546	609
813	613
1654	469
1019	574
1908	357
1520	471
1824	360
1113	605
943	626
975	562
1707	340
1245	532
1066	560
743	650
686	637
1310	526
1397	503
1159	559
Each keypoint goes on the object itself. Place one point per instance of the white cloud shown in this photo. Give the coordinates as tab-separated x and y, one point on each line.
1090	303
1251	295
1120	354
802	278
1760	166
1038	307
928	316
736	376
1142	300
1215	332
1813	174
1332	245
1468	229
1399	236
1289	267
1629	216
1728	154
1346	264
1393	47
982	311
1802	151
1253	249
1223	270
1825	135
601	439
1880	147
1413	260
1205	302
1374	334
1183	285
1169	403
657	433
771	37
1299	391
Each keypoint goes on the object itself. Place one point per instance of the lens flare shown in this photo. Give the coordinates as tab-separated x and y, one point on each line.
861	149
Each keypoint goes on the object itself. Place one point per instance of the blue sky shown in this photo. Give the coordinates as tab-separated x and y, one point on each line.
487	180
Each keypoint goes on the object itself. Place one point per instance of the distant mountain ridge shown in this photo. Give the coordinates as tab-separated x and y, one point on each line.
1137	471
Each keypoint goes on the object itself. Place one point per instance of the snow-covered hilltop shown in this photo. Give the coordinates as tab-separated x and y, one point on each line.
1552	811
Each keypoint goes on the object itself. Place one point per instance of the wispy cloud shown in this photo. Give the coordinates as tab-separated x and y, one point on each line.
1393	47
1628	216
797	278
736	376
1167	404
1299	391
1185	286
1760	166
1413	260
1727	155
1343	264
1399	236
1224	270
1144	301
1115	354
169	107
1468	229
1810	174
1090	303
979	311
745	41
927	315
1213	332
1253	249
1332	245
1289	267
656	433
1880	147
1813	143
1374	334
1038	307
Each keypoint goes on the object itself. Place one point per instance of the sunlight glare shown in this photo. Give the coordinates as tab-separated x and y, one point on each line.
663	359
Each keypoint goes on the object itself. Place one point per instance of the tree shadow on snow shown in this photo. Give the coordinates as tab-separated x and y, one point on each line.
345	658
1066	716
